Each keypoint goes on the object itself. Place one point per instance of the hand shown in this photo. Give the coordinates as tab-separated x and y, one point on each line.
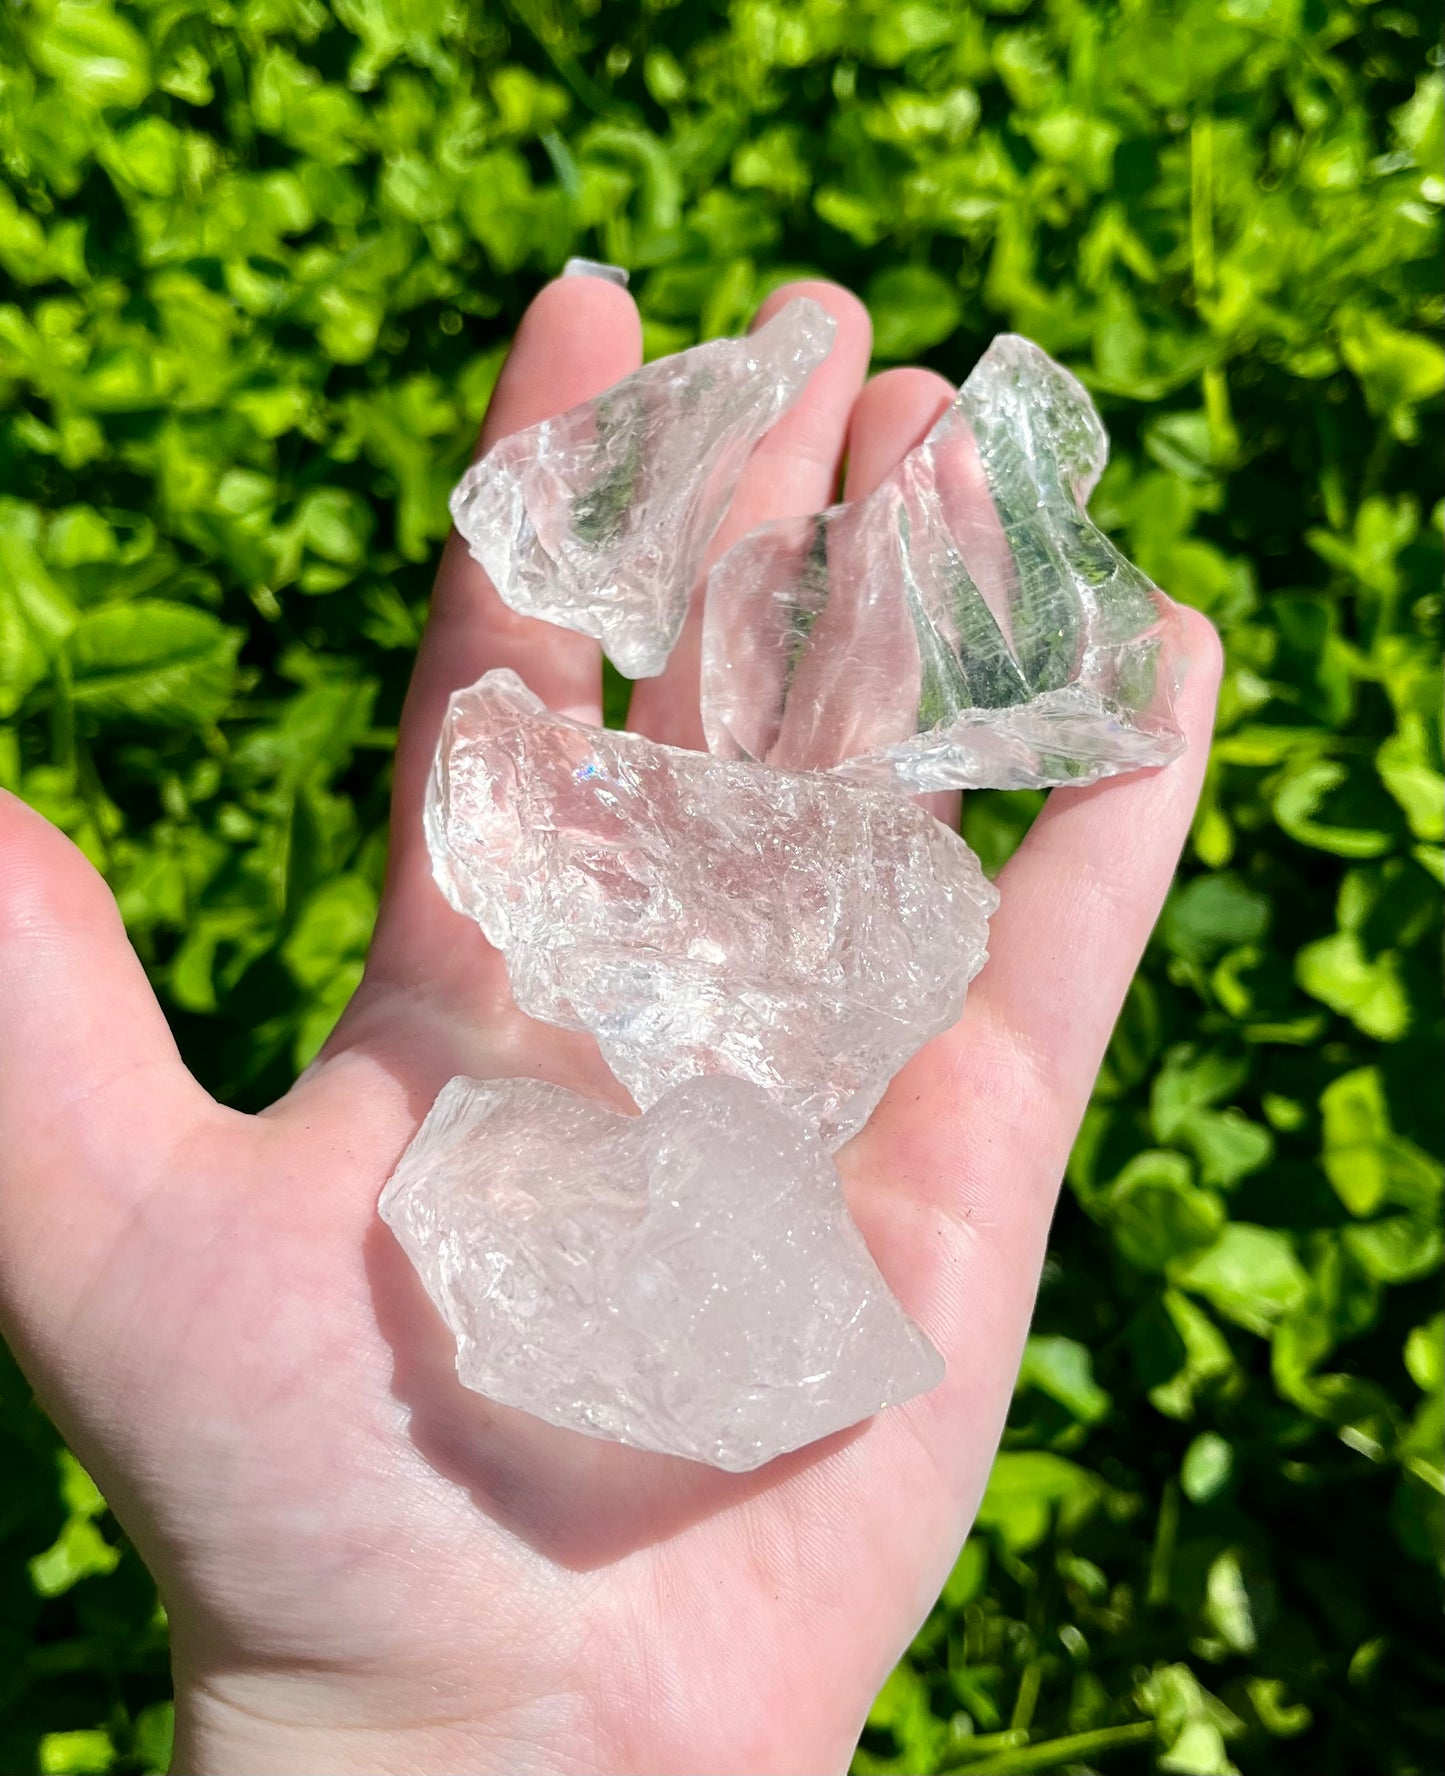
368	1568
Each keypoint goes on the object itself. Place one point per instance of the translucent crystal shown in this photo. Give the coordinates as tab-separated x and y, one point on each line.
700	917
688	1281
597	520
965	625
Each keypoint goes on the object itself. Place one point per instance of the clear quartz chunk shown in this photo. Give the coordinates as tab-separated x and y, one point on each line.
688	1281
597	520
965	625
700	917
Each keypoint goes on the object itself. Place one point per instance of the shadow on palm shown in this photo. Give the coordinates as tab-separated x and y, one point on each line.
577	1500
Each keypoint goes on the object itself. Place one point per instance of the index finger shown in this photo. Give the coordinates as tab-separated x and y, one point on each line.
579	336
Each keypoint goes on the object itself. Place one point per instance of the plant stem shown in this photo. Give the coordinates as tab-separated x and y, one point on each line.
1051	1754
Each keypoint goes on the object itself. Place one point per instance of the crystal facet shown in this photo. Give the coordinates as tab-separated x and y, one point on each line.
597	520
964	625
701	917
688	1281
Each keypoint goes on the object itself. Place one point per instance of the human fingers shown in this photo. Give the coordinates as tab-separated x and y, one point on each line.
892	414
853	694
579	336
794	470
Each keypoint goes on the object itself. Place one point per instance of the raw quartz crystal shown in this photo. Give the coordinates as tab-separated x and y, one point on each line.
688	1281
700	917
758	941
597	520
964	625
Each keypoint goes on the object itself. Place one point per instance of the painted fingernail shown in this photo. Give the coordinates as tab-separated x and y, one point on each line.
595	268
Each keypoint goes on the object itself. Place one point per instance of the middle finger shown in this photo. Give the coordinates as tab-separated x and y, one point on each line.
793	471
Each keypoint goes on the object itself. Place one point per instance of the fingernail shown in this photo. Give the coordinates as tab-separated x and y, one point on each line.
594	268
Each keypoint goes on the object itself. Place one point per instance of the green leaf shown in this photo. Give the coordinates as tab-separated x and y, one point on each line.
1158	1216
96	55
1331	808
1228	1605
1368	990
1396	1249
80	1551
22	654
1425	1355
149	156
153	1736
969	1574
1207	1468
902	1709
1030	1490
914	308
1399	370
152	661
1063	1369
336	524
1406	770
501	207
1226	1144
1211	914
774	161
332	930
1357	1139
1420	129
1182	1355
1193	1725
86	1752
35	612
1190	1080
1250	1274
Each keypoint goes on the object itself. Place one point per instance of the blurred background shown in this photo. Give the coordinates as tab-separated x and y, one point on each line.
259	262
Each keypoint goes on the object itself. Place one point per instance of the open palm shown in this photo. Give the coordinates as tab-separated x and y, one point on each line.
368	1568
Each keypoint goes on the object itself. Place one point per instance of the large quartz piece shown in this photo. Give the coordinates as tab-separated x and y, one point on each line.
700	917
687	1281
598	519
964	625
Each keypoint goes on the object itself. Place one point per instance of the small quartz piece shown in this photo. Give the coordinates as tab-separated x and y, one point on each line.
597	520
965	625
688	1281
700	917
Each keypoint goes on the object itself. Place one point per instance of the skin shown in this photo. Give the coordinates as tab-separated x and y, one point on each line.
366	1567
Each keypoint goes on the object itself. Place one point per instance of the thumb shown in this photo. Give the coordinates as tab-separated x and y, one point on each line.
93	1093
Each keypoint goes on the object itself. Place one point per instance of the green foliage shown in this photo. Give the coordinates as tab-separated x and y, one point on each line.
258	262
